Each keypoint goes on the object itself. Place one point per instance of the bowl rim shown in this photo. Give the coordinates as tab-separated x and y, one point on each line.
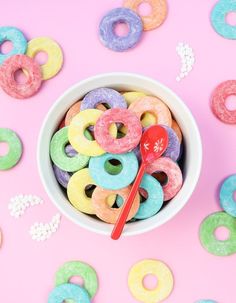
75	216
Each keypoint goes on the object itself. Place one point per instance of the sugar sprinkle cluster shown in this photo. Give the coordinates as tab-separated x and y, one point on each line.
187	57
20	203
42	232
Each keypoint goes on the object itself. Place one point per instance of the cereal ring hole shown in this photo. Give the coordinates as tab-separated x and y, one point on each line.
121	29
115	163
77	280
41	57
4	149
144	194
231	18
222	233
230	102
6	46
150	282
234	196
20	76
144	9
107	106
147	122
89	189
161	177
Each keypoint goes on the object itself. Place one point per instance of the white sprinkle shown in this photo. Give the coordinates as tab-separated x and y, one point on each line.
187	58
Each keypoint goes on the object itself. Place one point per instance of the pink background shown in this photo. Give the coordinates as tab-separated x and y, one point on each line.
28	267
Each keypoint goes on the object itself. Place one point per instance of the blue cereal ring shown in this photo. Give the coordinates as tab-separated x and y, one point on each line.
13	34
103	95
154	201
120	15
107	180
218	18
205	301
227	190
68	291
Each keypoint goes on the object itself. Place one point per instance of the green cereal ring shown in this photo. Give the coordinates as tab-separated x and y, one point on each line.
76	268
208	238
15	148
59	156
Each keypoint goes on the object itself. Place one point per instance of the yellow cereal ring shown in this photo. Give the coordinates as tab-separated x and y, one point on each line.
54	52
130	97
76	130
76	192
176	128
156	268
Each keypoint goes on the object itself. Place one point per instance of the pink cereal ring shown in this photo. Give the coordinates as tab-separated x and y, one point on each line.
122	145
107	213
220	94
153	106
33	74
173	172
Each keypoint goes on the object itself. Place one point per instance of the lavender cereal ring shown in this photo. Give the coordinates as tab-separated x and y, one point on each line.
108	23
103	95
62	176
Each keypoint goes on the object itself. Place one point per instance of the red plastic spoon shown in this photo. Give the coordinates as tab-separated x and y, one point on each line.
153	143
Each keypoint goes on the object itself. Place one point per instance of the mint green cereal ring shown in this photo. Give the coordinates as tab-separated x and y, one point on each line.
207	234
81	269
15	148
59	156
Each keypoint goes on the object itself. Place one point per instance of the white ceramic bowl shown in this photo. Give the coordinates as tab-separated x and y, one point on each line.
121	82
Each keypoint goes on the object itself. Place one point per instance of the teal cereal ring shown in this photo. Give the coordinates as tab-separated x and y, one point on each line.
218	18
15	148
77	268
68	291
227	190
208	238
206	301
59	156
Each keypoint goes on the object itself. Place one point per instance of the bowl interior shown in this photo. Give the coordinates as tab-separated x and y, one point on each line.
122	82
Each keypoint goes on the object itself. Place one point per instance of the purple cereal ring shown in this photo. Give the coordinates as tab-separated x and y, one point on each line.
103	95
173	148
108	23
114	145
173	172
62	176
8	82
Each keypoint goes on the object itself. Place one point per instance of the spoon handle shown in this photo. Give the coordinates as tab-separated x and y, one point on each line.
118	228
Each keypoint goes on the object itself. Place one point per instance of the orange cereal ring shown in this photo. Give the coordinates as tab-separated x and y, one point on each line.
157	15
177	130
105	212
154	106
75	109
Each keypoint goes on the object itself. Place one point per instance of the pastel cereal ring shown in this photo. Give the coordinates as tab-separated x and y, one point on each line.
68	291
173	172
154	106
75	109
13	34
8	82
219	96
154	267
131	97
157	15
54	52
122	179
76	192
104	95
177	130
104	211
111	144
77	128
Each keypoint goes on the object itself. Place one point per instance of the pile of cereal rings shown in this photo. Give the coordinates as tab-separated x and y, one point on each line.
21	57
129	14
96	156
226	218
